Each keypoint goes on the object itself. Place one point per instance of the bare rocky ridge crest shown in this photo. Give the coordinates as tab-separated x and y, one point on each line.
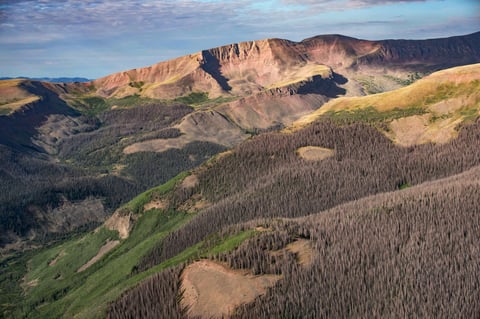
248	67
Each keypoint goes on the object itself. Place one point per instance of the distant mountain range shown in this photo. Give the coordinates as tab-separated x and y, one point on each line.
53	80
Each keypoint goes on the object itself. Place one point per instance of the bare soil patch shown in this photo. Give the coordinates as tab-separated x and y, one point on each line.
109	245
418	129
213	290
119	223
158	204
303	249
450	105
190	181
314	153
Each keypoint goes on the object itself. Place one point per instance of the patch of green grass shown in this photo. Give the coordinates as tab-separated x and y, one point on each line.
230	243
411	78
50	282
137	85
62	292
372	116
136	204
92	105
434	118
451	90
193	98
12	269
470	114
369	86
196	99
404	186
87	294
89	105
221	100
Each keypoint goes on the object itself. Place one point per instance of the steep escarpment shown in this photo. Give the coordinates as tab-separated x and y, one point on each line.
245	68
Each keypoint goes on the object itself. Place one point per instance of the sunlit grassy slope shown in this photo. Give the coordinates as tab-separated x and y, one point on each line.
302	74
54	288
12	96
428	110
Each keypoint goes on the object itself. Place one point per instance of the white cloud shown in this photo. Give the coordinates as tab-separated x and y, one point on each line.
104	36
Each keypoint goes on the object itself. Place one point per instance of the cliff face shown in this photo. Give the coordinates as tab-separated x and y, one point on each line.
249	67
239	69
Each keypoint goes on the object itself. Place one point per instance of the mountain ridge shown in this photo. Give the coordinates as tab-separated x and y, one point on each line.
219	68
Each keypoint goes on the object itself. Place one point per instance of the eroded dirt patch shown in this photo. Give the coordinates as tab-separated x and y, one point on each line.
109	245
157	204
419	129
120	223
213	290
190	181
194	204
451	105
314	153
302	248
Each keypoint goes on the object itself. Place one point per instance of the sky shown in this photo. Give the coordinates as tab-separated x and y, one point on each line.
94	38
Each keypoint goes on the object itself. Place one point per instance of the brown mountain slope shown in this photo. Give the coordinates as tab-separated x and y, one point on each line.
238	69
249	67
